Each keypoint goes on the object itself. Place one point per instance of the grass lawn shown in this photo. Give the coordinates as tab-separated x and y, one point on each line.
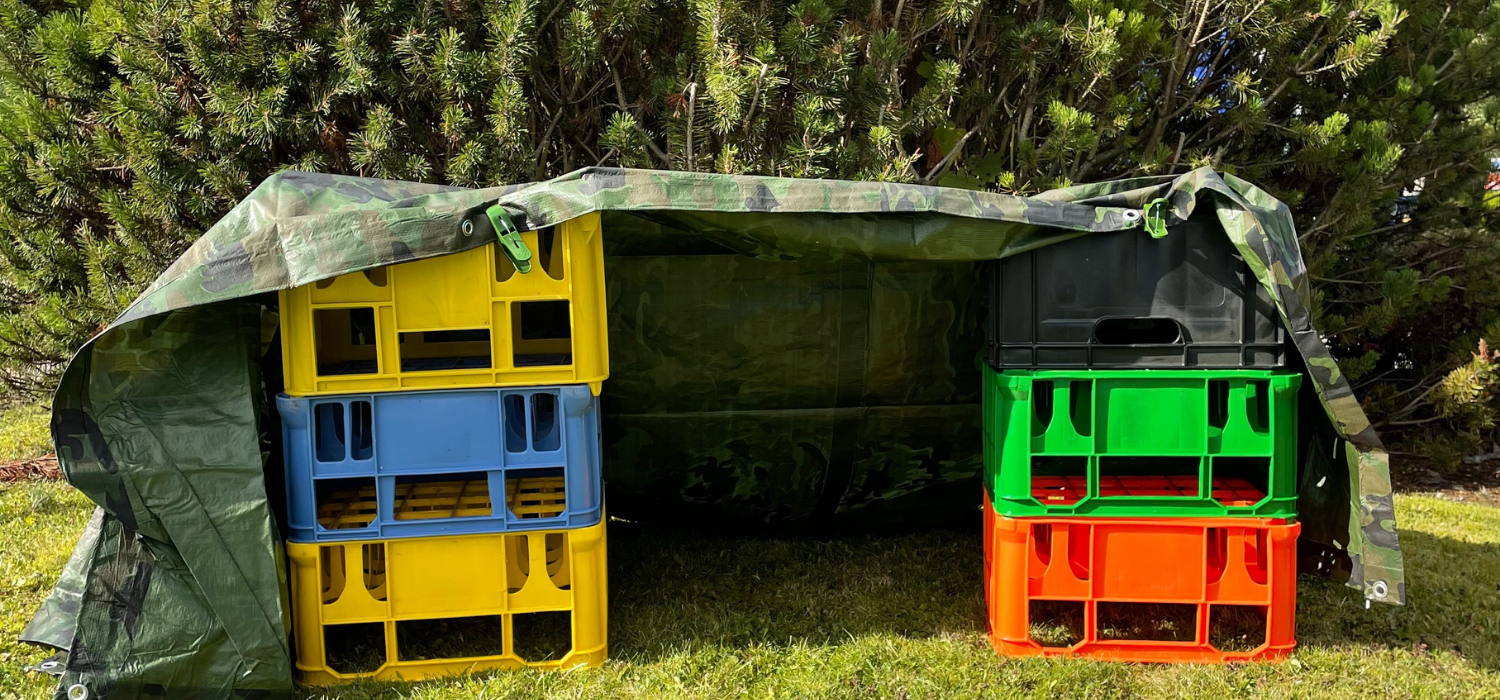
23	432
706	616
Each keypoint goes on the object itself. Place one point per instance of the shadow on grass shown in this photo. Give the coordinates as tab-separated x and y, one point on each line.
671	590
674	591
1453	594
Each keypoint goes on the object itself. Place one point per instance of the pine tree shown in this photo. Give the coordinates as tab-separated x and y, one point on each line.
128	127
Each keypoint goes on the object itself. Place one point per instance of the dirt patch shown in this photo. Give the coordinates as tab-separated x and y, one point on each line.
1470	483
44	468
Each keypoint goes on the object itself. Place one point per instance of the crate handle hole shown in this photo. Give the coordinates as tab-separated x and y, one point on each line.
1041	544
549	252
1256	557
1081	407
1218	403
1258	405
328	437
331	573
546	429
515	423
556	544
361	437
374	569
1218	553
1148	330
1078	550
1041	406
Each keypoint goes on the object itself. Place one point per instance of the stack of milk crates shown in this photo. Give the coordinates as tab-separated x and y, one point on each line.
1140	452
441	438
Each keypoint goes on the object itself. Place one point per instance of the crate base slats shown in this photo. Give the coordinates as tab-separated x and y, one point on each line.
541	497
1067	490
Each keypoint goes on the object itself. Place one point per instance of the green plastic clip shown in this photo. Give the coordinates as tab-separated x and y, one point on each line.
1155	216
510	238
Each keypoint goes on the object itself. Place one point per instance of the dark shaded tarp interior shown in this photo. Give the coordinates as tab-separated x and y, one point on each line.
791	354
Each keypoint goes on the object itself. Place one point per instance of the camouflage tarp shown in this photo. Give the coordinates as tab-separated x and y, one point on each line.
784	352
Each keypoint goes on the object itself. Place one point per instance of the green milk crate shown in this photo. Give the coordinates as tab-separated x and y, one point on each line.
1141	443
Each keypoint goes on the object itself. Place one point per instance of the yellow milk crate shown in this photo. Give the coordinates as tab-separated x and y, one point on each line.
417	608
468	319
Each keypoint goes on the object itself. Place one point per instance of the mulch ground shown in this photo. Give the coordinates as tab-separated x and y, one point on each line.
1470	483
27	469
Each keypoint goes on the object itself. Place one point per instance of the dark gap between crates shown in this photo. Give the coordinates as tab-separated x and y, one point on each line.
344	341
1056	623
449	495
536	493
542	333
542	636
354	648
1153	622
450	638
1237	627
434	351
345	504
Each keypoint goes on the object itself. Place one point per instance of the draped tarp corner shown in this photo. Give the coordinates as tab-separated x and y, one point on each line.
789	353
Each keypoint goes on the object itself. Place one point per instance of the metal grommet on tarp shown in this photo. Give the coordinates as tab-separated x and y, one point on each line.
78	691
53	665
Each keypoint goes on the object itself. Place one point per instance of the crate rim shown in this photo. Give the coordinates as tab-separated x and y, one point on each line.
1136	373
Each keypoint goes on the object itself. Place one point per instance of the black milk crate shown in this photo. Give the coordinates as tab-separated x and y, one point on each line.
1125	299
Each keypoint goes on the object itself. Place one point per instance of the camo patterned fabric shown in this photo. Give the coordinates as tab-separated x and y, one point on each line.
784	352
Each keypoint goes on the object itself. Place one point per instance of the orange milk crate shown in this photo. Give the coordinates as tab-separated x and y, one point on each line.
1168	590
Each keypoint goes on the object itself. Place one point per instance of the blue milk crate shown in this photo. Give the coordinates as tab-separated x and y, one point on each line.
416	464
